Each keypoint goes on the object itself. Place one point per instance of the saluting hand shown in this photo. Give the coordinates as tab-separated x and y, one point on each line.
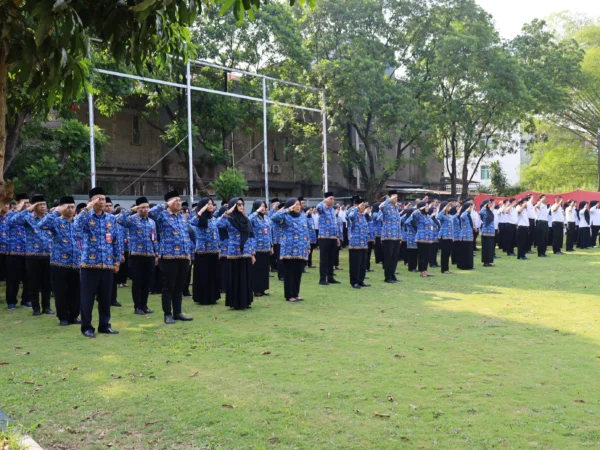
134	209
91	204
231	210
30	208
203	209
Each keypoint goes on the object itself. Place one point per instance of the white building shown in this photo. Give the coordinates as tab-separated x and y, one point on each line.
511	164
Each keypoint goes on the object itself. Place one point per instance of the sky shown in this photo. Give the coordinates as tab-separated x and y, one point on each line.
510	15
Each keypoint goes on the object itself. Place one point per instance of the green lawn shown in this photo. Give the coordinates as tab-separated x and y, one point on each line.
506	357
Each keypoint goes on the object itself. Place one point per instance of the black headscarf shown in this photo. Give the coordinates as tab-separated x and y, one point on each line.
453	211
376	207
586	214
206	215
257	204
240	222
289	203
409	212
488	217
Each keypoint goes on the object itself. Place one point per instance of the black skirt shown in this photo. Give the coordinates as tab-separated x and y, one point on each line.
239	283
584	238
456	250
465	257
207	279
487	249
223	273
260	272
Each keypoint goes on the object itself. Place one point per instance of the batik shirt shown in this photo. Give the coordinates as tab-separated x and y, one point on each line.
358	230
328	224
207	238
487	230
295	241
142	234
232	249
340	227
38	239
466	227
312	234
275	230
4	235
102	246
446	226
391	221
175	241
16	236
261	227
377	223
410	232
371	228
456	228
427	229
66	241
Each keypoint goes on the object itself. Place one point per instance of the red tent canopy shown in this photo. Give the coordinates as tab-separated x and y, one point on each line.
578	195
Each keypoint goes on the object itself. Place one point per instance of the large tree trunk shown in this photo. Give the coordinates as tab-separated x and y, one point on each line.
465	178
3	95
453	173
13	133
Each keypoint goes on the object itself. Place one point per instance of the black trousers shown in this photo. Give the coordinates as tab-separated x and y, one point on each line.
391	252
412	257
67	292
292	277
123	273
433	251
16	273
3	267
358	265
510	238
174	272
345	235
310	255
327	250
141	270
475	235
95	282
424	255
522	241
369	253
446	247
595	230
541	236
571	235
188	280
531	236
378	250
275	257
558	235
38	273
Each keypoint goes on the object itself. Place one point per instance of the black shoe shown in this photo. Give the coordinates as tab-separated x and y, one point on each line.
36	313
139	311
64	323
413	271
511	254
435	266
169	320
391	281
305	271
323	283
116	303
497	257
182	317
75	321
311	267
542	256
108	330
356	286
12	307
567	250
558	253
89	333
187	294
147	310
273	270
271	276
524	258
364	285
281	279
26	304
333	281
49	312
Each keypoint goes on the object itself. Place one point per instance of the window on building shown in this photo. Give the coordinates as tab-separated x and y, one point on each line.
136	137
275	149
485	173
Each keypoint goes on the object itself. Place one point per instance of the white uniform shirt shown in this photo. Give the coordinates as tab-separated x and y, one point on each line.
543	213
558	215
571	216
496	218
476	219
342	215
315	217
531	211
523	220
595	215
582	222
513	216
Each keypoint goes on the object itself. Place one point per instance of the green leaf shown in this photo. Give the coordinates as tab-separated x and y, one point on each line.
43	29
227	4
142	6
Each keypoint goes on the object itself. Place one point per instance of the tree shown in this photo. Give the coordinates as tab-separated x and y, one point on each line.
54	160
231	183
561	161
498	179
581	115
375	104
44	48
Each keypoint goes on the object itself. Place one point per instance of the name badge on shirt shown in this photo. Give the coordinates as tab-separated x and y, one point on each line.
152	236
108	238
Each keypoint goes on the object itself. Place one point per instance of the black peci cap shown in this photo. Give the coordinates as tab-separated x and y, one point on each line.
141	201
171	194
67	200
37	198
95	191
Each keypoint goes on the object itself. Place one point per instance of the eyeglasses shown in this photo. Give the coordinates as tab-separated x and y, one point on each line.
239	204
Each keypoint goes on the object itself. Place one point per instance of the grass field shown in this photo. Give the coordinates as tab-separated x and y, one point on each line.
507	357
